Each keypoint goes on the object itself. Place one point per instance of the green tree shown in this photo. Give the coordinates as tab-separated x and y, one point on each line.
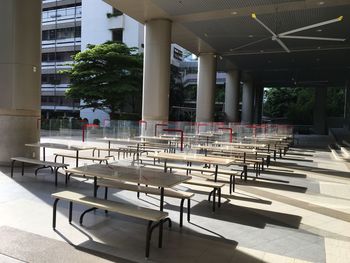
106	76
293	104
277	101
300	111
176	97
335	101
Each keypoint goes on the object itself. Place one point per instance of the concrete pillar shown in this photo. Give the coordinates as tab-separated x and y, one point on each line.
347	105
320	113
247	100
258	104
206	87
232	93
20	59
156	71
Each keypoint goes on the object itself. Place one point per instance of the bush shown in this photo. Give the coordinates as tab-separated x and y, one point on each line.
96	122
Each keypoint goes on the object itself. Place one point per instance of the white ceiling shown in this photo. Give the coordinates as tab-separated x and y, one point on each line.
221	26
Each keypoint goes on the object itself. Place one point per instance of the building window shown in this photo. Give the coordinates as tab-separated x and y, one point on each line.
61	33
117	12
114	13
54	79
177	54
59	101
59	56
117	35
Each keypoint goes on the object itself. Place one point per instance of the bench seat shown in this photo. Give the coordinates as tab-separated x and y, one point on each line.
52	165
124	150
215	185
68	155
152	216
149	190
231	173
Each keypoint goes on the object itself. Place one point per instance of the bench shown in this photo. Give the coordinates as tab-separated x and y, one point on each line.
155	218
125	150
216	189
52	165
232	174
264	157
244	173
109	183
257	165
160	146
67	155
149	190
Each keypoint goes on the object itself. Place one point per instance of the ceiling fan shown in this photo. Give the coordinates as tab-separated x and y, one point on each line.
287	35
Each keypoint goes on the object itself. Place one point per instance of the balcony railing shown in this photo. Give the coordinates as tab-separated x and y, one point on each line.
62	14
61	42
57	64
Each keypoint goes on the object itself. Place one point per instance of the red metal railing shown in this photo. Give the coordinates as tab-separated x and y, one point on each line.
181	138
85	126
159	125
201	125
143	122
227	129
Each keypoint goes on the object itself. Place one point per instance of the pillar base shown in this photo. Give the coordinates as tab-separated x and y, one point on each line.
15	132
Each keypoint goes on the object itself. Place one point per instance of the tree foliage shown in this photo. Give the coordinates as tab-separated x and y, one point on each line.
297	104
293	104
106	76
176	97
335	101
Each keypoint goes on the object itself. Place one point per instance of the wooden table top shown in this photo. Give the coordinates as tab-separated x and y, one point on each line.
263	139
158	138
177	136
223	148
132	174
61	146
239	144
198	158
205	134
121	140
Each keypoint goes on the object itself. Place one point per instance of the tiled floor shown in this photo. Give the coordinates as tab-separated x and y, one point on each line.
298	211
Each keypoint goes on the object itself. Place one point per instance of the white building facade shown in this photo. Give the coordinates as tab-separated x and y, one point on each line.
102	23
68	26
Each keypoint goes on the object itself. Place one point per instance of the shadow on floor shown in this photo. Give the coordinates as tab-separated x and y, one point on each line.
283	187
87	250
322	171
297	159
252	217
287	174
298	154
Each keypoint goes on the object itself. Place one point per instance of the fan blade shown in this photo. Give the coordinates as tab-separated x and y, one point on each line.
261	23
315	38
312	26
251	43
279	41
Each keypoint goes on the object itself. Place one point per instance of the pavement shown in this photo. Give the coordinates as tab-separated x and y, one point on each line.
298	210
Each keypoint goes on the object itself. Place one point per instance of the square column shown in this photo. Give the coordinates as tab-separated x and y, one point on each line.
247	100
320	114
232	93
156	71
258	104
347	105
20	60
206	87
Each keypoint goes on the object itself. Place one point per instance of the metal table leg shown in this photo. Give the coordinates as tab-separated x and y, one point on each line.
77	159
160	241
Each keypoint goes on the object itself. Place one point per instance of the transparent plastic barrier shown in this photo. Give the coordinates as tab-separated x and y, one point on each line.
192	131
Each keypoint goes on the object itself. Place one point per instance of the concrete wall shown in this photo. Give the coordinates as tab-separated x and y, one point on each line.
20	64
